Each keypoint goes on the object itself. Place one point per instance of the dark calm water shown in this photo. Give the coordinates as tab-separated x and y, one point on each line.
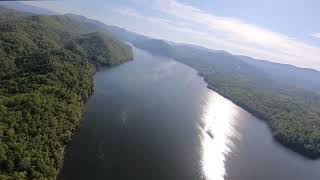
155	119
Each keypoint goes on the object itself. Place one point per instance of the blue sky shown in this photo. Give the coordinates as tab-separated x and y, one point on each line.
285	31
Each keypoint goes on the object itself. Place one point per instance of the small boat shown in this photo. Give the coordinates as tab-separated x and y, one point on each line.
210	134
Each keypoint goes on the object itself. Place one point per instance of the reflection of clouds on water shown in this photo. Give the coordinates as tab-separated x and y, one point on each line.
218	123
163	70
124	117
100	152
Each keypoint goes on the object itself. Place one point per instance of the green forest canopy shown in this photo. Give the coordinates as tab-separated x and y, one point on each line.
46	69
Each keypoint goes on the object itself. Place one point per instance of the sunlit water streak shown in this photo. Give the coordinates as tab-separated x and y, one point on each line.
218	129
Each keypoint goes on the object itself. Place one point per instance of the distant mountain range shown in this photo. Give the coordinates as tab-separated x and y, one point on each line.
302	75
25	8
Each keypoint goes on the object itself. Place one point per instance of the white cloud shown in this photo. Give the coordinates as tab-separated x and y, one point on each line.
158	22
316	35
244	38
190	35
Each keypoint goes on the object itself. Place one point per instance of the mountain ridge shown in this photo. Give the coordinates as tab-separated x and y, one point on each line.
118	32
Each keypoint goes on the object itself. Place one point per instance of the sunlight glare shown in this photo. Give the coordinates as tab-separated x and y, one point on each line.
218	119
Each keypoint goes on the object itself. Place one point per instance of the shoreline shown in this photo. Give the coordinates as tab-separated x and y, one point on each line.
278	139
289	142
97	67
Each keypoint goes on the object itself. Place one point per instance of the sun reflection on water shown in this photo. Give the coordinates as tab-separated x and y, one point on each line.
218	129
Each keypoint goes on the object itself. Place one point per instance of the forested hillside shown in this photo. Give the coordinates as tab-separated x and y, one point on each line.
7	14
46	69
120	33
19	6
286	97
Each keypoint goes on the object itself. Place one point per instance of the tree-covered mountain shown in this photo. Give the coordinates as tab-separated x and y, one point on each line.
101	48
6	14
16	5
120	33
285	73
46	69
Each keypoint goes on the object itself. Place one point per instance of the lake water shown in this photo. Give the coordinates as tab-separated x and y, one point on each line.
155	119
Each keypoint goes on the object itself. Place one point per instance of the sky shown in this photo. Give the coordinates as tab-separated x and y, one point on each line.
284	31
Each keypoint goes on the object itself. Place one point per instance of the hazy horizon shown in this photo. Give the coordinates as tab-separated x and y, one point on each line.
265	30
